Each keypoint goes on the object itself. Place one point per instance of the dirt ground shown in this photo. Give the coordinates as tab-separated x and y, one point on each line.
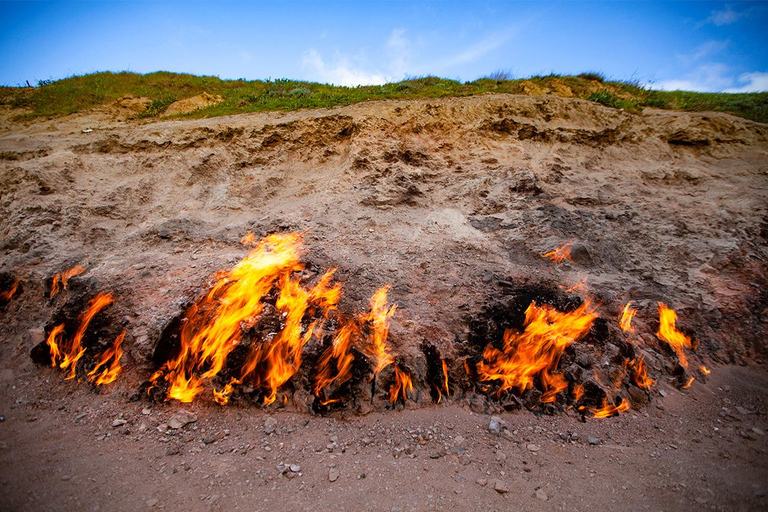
452	202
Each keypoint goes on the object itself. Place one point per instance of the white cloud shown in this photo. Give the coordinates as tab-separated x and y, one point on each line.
343	71
704	50
723	17
478	49
715	78
340	72
753	82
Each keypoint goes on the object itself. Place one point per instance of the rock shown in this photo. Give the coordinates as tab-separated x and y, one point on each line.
533	447
758	431
494	427
146	411
36	336
500	456
500	487
436	454
295	468
593	440
482	482
119	422
152	502
507	434
333	474
181	419
270	424
541	494
172	450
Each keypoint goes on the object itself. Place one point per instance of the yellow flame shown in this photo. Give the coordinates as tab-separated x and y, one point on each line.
669	333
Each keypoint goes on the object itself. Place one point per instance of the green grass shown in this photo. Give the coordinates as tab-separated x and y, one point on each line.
79	93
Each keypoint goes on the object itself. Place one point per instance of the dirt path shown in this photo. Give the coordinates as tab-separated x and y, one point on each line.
452	202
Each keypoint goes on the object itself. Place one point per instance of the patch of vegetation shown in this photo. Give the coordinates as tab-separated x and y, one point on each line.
78	93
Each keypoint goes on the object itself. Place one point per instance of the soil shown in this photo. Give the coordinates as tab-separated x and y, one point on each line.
450	201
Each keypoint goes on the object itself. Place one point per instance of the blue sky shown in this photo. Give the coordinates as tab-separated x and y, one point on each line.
706	46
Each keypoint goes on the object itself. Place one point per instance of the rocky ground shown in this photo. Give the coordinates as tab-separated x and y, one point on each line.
451	201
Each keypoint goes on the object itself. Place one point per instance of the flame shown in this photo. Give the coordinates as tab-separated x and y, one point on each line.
107	375
249	239
445	377
578	392
688	382
214	325
6	295
607	410
669	333
60	280
560	254
625	322
374	346
402	384
536	351
54	342
705	370
640	373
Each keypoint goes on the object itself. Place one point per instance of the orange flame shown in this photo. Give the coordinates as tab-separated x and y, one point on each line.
560	254
669	333
67	356
704	370
6	295
688	382
640	373
607	410
578	392
402	385
108	374
445	377
374	346
625	322
537	350
63	278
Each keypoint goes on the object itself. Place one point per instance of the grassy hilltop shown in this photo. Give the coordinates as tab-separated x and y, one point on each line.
78	93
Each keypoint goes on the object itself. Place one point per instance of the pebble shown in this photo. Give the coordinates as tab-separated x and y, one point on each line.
182	418
172	450
541	494
270	424
533	447
333	474
500	487
152	502
146	411
119	422
494	427
482	482
593	440
758	431
295	468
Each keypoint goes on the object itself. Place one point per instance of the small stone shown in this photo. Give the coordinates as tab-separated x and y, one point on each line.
436	454
500	487
482	482
333	474
506	434
593	440
182	418
533	447
541	494
500	456
146	411
66	478
152	502
270	424
295	468
662	392
758	431
494	427
119	422
172	450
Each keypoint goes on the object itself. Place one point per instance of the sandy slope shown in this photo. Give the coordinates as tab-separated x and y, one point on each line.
451	201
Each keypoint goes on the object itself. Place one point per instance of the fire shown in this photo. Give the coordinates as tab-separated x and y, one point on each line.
374	346
216	324
688	382
8	294
640	373
60	280
445	378
108	374
607	410
705	370
625	322
578	392
67	355
402	385
560	254
669	333
536	351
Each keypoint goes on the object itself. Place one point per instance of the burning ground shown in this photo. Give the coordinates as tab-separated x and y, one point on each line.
398	270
